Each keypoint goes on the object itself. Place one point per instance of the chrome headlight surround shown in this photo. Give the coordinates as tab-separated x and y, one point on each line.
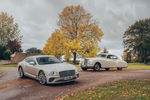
53	73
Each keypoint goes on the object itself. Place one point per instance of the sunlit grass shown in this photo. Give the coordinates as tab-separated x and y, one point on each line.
120	90
0	74
138	66
9	65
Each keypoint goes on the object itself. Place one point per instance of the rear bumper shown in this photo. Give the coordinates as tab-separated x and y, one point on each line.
57	79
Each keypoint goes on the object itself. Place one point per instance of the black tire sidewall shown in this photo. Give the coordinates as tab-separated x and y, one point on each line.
20	69
97	69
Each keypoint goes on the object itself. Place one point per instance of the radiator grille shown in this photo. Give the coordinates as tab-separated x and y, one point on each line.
67	73
85	61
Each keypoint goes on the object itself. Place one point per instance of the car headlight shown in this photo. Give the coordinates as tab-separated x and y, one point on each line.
54	73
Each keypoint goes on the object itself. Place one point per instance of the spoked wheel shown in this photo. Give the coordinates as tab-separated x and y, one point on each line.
119	68
21	73
97	67
107	69
42	78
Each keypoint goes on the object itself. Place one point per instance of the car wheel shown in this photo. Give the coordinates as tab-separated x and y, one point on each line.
119	68
97	67
21	73
84	69
42	78
107	69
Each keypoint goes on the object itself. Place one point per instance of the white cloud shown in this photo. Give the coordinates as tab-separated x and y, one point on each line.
37	19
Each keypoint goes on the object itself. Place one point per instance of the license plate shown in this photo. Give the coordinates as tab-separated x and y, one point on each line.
67	78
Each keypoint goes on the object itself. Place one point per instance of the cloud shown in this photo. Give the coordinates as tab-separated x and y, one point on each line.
37	19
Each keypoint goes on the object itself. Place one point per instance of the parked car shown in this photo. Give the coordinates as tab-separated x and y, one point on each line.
103	60
47	69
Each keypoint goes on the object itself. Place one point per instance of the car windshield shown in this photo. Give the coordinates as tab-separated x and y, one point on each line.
47	60
101	55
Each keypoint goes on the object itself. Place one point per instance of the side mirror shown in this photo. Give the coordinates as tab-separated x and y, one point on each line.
32	63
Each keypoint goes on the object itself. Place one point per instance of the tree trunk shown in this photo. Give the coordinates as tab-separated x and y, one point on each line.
74	57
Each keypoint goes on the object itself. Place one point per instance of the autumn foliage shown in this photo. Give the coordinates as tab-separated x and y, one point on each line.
78	35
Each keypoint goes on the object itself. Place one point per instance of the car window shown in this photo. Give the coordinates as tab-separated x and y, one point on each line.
112	57
47	60
28	60
101	55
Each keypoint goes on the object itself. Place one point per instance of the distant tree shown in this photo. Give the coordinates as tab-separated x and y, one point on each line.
5	53
33	51
105	50
14	46
81	30
137	39
8	29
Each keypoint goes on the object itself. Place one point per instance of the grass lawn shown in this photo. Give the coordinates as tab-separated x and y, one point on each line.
131	66
9	65
120	90
138	66
0	74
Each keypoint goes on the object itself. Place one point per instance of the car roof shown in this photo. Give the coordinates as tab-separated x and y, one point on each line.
106	53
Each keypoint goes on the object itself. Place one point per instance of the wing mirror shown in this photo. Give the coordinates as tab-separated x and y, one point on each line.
32	63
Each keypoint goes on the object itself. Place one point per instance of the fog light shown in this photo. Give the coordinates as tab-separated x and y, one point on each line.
51	79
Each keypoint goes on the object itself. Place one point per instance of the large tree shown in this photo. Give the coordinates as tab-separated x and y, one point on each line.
137	39
80	29
14	46
8	29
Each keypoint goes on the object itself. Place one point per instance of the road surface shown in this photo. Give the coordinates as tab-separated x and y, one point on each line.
14	88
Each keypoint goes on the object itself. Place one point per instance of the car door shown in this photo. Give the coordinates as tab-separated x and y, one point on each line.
30	68
111	61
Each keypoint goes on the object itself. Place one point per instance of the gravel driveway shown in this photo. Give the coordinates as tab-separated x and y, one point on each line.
13	88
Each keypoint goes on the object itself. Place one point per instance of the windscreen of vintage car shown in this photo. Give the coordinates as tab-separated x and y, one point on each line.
47	60
101	55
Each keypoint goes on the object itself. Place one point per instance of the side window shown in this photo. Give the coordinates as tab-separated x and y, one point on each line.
28	60
109	56
112	57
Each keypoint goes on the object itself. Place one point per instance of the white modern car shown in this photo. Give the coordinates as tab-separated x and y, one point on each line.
103	60
47	69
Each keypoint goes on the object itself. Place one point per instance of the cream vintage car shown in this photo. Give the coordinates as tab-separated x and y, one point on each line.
47	69
103	60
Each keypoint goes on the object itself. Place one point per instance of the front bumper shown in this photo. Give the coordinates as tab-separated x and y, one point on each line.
58	79
86	66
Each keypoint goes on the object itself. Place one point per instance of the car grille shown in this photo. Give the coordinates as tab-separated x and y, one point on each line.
85	61
67	73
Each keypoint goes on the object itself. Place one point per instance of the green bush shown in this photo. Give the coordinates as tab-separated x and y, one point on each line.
4	53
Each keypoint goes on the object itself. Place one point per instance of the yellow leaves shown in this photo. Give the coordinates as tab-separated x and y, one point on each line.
78	34
55	44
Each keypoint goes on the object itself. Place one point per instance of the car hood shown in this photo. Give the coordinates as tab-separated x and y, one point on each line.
57	67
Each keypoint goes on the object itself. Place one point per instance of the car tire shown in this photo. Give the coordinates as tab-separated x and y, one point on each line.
42	78
119	68
107	69
84	69
97	67
21	72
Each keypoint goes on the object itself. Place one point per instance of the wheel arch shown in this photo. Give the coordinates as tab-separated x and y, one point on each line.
40	72
98	63
19	67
